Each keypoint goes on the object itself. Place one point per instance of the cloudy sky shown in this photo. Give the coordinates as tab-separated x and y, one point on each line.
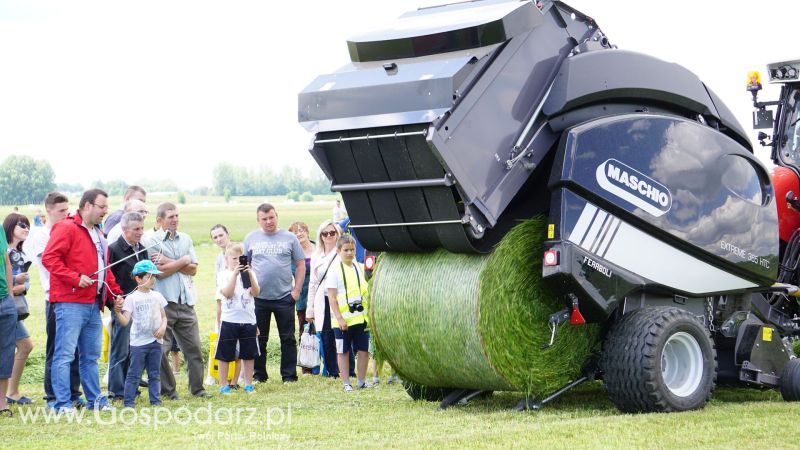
169	88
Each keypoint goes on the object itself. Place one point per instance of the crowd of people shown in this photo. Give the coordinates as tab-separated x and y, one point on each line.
145	278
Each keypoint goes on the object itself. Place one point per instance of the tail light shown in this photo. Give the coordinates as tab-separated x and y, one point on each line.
369	262
551	257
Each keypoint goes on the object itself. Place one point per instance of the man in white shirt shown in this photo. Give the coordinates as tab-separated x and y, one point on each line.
132	205
339	212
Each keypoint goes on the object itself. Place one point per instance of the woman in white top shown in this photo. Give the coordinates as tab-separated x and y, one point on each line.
318	310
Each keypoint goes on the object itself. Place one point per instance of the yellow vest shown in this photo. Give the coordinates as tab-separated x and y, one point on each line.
355	289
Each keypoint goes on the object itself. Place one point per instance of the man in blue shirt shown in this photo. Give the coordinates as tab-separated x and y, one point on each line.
175	258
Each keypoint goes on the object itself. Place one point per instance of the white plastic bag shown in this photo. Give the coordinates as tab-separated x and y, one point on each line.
309	351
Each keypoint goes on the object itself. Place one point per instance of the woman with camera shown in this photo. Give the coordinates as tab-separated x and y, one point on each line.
17	227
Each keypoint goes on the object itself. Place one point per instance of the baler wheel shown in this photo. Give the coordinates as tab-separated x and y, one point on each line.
659	359
790	381
427	393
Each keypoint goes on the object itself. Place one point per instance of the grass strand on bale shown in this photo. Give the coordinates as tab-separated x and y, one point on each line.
514	309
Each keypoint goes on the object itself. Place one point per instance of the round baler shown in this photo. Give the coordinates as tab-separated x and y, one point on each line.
552	209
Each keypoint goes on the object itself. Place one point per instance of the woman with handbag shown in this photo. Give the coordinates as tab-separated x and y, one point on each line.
300	229
318	309
17	227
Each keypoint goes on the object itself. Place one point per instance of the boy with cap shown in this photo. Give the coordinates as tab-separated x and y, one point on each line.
144	309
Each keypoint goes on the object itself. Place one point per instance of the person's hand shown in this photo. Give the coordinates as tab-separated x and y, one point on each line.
342	323
295	294
21	278
18	289
309	319
258	332
159	333
160	259
118	302
85	281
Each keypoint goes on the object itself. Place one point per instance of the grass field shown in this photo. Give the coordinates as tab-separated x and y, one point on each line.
316	412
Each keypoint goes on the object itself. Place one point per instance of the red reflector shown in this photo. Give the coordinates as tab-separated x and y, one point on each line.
551	258
369	262
576	318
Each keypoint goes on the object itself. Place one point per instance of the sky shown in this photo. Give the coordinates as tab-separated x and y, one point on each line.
168	89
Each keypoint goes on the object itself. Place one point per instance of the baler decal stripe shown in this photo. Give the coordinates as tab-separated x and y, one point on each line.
634	250
603	232
594	230
617	225
655	260
583	223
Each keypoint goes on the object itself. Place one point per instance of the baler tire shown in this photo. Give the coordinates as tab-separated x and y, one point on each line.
790	381
426	393
640	376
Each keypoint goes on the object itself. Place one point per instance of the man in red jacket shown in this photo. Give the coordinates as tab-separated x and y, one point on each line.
76	257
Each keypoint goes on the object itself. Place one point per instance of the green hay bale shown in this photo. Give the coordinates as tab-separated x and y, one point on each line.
473	321
514	309
423	313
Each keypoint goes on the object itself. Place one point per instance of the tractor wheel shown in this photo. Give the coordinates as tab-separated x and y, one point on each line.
790	380
659	359
427	393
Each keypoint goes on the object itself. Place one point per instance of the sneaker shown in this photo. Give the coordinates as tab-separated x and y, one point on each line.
235	387
225	390
249	389
362	385
79	403
203	394
392	379
348	388
67	411
104	407
376	381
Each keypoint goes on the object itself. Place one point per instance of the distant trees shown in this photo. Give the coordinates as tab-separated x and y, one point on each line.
24	180
237	180
118	187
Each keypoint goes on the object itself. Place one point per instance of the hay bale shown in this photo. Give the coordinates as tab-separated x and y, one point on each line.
475	321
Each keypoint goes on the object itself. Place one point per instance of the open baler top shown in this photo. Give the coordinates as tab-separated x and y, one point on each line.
439	132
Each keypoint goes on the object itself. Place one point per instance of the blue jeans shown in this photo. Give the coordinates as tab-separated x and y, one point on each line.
144	356
118	358
8	325
77	326
50	349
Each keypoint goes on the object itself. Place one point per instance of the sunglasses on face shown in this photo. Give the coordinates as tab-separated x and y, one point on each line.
328	234
22	225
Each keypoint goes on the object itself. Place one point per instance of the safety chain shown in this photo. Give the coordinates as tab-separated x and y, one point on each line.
710	306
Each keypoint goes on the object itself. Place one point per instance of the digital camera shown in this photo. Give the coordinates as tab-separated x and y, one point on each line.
356	306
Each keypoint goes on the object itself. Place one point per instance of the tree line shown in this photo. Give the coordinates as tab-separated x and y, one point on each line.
24	180
237	180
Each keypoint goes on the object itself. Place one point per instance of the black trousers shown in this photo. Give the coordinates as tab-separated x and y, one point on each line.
329	346
283	309
50	346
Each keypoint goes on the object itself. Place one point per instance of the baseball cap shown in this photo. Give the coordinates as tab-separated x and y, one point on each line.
145	266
